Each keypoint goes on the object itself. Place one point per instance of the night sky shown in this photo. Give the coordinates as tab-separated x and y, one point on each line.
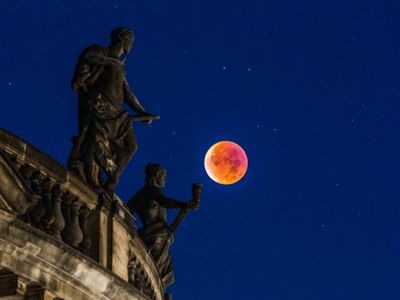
309	89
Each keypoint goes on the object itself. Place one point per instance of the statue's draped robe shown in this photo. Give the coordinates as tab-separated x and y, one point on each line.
150	204
106	137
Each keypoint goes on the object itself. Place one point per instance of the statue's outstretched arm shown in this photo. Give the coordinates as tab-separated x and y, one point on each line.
169	202
131	100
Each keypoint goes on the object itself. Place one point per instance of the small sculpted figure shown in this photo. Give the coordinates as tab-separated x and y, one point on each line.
106	141
150	204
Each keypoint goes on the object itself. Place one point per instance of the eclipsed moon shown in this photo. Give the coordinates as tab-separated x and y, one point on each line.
225	162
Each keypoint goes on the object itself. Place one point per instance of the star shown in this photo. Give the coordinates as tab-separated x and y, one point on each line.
10	84
223	67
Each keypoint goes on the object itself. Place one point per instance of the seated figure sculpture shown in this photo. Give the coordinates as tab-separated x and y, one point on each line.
150	204
106	141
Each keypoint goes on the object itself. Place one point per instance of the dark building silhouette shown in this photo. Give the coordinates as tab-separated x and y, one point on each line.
59	239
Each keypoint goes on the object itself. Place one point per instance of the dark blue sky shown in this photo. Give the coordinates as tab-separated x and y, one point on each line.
310	89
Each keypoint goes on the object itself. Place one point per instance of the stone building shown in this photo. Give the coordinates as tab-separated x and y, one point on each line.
59	239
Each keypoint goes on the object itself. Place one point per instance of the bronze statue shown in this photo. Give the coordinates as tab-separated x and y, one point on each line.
106	141
150	205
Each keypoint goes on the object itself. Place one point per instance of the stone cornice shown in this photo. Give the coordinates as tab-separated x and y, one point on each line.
51	263
65	215
29	154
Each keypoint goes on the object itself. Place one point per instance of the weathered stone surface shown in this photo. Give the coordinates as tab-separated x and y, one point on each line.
33	244
81	190
12	144
120	251
58	223
47	165
86	243
103	248
15	194
38	257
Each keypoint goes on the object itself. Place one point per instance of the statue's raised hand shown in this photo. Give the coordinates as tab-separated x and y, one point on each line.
192	204
147	122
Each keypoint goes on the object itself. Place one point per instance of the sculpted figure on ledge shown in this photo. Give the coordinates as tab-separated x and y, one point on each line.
150	204
106	141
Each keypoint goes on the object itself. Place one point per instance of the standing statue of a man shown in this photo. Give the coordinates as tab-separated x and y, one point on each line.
150	204
106	141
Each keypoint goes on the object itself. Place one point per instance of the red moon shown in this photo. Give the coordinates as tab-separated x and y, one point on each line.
225	162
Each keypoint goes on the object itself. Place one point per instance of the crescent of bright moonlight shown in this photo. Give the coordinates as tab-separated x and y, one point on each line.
226	162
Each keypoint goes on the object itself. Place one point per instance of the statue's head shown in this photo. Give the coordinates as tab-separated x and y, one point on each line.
156	175
123	36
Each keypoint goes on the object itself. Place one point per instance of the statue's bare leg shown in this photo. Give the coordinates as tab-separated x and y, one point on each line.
93	173
121	161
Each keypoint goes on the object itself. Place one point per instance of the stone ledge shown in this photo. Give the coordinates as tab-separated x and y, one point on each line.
52	252
29	154
32	254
